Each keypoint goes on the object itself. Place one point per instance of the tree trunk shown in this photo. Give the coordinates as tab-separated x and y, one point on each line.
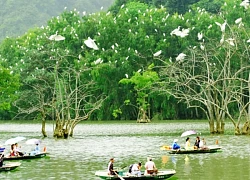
246	128
58	132
237	130
142	116
211	126
43	124
43	128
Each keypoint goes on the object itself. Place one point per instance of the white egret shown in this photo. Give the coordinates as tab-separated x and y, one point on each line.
222	26
91	43
202	47
98	61
181	57
126	75
199	36
230	41
170	59
182	33
248	41
245	4
239	20
56	37
158	53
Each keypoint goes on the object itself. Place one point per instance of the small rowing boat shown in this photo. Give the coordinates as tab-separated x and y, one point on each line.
9	166
164	174
36	156
211	149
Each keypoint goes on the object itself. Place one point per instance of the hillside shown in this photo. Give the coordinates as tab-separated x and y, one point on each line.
19	16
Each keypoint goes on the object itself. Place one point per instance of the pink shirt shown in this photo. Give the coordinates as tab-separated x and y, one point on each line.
150	165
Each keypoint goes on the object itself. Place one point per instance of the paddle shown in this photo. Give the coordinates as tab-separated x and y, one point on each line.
121	178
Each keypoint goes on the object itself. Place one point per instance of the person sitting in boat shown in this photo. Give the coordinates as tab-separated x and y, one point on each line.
175	146
1	159
1	156
18	150
111	170
188	146
202	144
197	143
135	170
150	167
36	150
13	150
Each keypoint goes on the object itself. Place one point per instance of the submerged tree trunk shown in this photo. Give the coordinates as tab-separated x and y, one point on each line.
246	128
142	116
43	124
211	126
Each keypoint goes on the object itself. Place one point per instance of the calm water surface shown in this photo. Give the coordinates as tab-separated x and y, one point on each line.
94	143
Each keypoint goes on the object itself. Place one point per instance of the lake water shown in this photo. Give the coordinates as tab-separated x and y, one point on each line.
94	143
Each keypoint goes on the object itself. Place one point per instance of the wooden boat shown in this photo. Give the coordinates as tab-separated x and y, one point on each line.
164	174
211	149
9	166
36	156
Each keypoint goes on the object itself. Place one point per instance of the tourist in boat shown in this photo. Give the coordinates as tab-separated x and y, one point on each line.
36	150
18	150
175	146
197	143
13	150
202	144
111	170
188	146
135	170
1	156
150	167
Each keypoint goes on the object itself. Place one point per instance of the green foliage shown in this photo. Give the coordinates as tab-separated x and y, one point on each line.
127	38
9	84
116	112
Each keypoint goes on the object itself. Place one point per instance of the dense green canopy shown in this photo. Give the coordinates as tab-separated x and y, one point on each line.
165	62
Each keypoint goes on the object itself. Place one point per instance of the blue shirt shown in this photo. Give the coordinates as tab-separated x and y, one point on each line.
175	146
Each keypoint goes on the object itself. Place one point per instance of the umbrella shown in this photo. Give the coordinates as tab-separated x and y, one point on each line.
33	141
188	133
14	140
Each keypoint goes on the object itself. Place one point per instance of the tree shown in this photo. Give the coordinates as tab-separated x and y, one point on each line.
214	76
56	81
142	84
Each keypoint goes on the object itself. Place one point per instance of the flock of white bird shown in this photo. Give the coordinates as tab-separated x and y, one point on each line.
179	32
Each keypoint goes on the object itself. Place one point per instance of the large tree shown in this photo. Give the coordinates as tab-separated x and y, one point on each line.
214	76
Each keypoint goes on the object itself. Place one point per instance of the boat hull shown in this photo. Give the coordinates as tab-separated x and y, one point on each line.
9	166
195	151
40	155
160	175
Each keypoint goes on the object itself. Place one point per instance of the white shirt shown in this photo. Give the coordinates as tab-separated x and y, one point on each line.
134	168
109	165
150	165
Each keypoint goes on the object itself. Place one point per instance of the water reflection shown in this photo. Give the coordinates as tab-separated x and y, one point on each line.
174	161
164	161
187	168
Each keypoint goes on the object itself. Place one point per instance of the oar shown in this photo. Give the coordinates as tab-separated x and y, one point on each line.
121	178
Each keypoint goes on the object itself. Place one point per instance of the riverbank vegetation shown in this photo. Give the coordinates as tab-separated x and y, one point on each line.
137	61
